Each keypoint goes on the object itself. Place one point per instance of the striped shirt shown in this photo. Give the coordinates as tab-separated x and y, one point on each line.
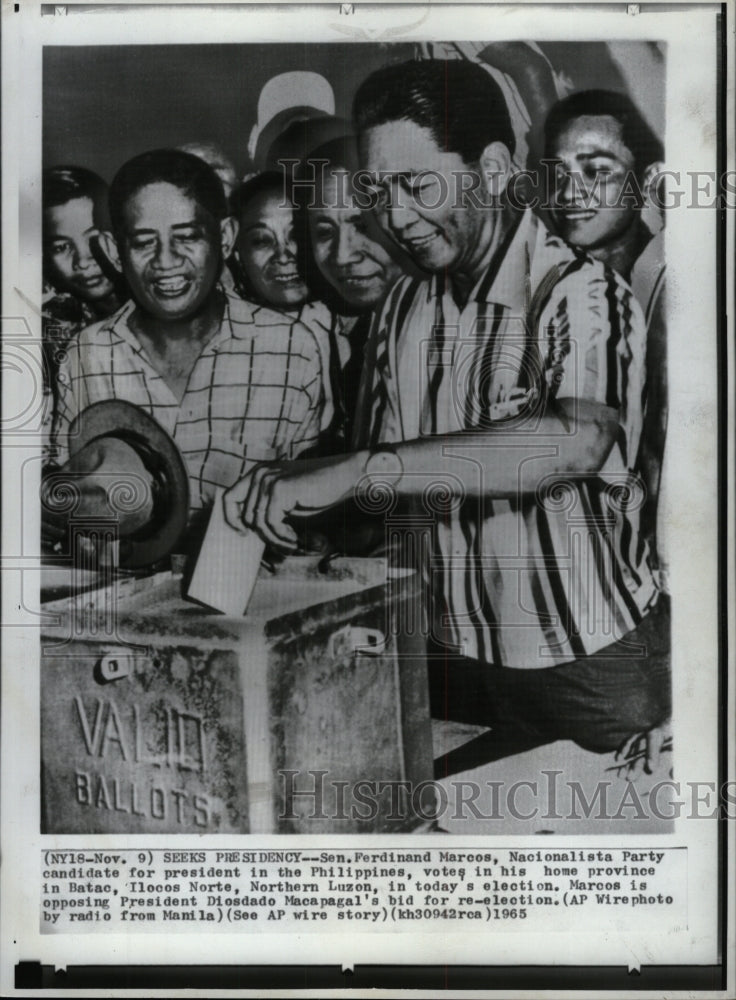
648	285
557	574
254	394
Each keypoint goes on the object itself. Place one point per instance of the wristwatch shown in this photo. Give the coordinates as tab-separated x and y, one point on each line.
384	463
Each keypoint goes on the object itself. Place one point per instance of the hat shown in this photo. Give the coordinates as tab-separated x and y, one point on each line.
288	97
161	457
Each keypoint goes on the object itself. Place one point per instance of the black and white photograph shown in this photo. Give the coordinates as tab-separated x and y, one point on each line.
371	482
376	354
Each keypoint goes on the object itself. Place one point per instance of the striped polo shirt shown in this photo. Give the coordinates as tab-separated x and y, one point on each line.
559	572
255	393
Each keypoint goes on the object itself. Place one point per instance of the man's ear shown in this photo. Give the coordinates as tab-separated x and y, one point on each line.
228	234
106	243
649	183
496	168
652	193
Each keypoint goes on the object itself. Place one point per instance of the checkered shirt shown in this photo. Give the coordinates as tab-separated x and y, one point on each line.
255	393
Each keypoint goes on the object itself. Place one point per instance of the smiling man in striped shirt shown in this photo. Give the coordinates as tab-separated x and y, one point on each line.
503	399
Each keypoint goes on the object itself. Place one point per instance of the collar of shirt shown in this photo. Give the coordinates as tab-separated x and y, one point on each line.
502	290
119	324
504	282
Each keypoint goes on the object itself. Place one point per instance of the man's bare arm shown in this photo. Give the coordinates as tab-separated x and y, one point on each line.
577	438
498	461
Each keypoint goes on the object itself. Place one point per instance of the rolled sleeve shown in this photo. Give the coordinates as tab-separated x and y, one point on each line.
595	337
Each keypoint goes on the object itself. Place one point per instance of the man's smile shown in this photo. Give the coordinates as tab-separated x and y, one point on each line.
171	287
355	278
91	280
419	243
576	214
291	278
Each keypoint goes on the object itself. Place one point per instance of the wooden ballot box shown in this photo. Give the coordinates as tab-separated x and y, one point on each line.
160	716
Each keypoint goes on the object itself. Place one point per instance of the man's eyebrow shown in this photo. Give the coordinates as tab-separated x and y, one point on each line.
594	154
139	230
349	214
379	176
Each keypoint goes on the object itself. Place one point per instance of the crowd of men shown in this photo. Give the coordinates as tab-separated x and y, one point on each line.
385	310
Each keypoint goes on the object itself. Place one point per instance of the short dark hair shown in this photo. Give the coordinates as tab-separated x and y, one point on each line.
169	166
338	155
271	181
636	134
60	185
458	101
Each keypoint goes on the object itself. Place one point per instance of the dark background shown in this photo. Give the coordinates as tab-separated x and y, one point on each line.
104	104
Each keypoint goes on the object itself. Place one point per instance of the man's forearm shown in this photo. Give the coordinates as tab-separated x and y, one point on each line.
502	460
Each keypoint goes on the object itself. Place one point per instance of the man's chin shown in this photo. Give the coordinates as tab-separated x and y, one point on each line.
96	294
362	298
585	236
288	301
171	309
434	259
172	315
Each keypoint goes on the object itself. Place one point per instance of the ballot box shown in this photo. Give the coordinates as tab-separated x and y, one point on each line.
161	716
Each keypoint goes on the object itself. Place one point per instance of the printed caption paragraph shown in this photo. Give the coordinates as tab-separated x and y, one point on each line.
129	890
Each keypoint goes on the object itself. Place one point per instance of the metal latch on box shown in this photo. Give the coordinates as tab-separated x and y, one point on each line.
113	665
352	639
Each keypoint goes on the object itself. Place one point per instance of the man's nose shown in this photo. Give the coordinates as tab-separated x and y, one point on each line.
570	187
166	255
400	216
346	248
285	251
83	257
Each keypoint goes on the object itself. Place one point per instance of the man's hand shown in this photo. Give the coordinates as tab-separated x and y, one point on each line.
577	437
272	493
106	479
645	753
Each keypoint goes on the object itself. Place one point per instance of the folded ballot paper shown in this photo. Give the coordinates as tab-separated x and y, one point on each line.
227	566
